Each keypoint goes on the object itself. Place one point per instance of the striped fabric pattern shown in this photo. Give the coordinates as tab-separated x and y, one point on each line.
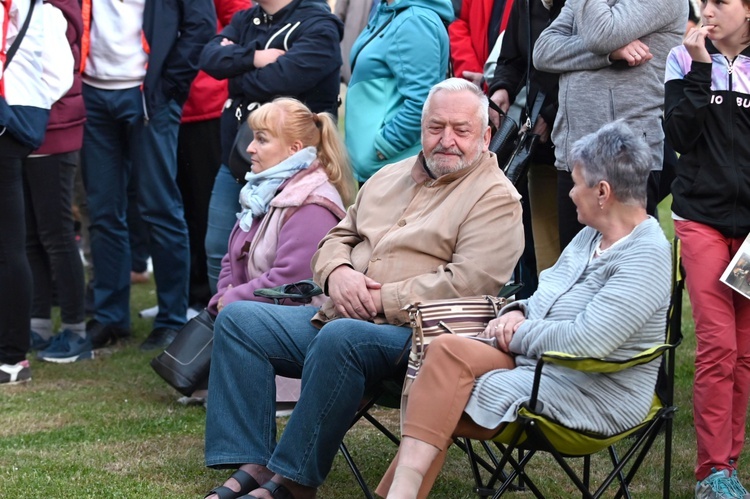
613	307
461	316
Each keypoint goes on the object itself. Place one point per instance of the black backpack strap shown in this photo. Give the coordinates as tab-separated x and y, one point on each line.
14	47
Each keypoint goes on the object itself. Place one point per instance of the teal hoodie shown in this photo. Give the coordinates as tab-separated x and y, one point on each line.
399	56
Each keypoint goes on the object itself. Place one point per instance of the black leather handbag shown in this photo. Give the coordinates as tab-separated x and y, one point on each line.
184	365
516	166
515	147
503	141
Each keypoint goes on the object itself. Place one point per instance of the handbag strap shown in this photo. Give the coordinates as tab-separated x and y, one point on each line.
531	113
496	108
377	32
17	42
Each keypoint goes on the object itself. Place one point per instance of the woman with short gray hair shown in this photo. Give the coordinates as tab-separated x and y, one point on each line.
606	297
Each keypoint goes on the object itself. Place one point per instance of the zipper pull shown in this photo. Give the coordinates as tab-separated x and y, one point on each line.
730	65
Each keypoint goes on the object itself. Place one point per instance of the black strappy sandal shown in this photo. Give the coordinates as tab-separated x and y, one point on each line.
277	491
247	484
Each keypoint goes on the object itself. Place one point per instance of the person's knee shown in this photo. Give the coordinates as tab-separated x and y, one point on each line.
230	322
333	341
445	345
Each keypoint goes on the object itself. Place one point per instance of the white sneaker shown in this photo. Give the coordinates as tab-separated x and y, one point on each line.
12	374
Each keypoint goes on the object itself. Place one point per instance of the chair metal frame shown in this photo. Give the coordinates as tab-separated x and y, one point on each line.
532	433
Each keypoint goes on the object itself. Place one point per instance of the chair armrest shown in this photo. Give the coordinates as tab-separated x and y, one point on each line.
591	365
595	365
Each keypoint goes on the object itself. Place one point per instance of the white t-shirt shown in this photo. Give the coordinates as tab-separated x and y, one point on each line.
116	58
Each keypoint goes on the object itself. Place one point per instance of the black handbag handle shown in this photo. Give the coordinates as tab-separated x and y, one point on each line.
531	113
496	108
17	42
529	120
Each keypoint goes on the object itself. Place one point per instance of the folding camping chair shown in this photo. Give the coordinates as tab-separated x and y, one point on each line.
533	432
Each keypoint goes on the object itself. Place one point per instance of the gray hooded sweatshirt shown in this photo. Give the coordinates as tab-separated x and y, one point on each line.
595	90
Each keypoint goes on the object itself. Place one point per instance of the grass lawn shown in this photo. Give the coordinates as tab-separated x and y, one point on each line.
111	428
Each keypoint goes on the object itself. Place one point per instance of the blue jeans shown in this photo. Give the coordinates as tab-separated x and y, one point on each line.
115	132
255	341
222	215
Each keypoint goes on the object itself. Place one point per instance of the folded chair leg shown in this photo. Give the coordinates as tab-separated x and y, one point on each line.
385	431
667	457
517	470
355	470
616	461
586	473
475	461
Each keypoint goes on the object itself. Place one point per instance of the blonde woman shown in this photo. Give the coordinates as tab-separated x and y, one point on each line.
297	191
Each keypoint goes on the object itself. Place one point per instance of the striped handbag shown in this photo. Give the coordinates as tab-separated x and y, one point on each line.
429	319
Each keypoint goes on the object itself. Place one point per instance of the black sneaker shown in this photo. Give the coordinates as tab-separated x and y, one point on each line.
160	338
103	334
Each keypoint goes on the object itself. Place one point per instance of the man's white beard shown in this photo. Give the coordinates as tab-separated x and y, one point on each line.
438	168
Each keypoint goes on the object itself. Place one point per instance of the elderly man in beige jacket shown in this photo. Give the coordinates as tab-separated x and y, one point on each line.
443	224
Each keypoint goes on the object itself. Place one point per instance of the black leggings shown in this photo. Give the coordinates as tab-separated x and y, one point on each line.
15	276
50	235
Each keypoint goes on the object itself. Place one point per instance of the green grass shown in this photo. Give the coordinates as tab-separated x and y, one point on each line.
111	428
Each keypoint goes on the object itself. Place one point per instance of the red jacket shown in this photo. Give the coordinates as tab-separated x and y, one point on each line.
468	35
207	95
65	127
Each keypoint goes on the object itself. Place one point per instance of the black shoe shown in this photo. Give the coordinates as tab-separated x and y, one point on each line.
160	338
102	334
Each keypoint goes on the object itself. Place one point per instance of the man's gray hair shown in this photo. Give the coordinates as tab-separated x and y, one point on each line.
619	156
459	85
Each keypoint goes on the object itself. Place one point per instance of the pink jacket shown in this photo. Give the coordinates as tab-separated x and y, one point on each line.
279	246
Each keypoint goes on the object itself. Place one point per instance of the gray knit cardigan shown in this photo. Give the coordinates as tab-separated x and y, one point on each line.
613	307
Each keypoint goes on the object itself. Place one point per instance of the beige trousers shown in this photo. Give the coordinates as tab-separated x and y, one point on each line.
435	413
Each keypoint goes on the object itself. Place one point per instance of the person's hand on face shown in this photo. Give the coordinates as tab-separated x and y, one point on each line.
695	43
354	295
503	328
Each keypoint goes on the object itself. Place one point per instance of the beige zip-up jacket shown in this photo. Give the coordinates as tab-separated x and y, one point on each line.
423	238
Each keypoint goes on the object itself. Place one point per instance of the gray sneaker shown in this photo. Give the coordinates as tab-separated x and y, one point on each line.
739	490
717	485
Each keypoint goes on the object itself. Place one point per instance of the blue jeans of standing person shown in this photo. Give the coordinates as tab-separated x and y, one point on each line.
222	215
255	341
115	130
